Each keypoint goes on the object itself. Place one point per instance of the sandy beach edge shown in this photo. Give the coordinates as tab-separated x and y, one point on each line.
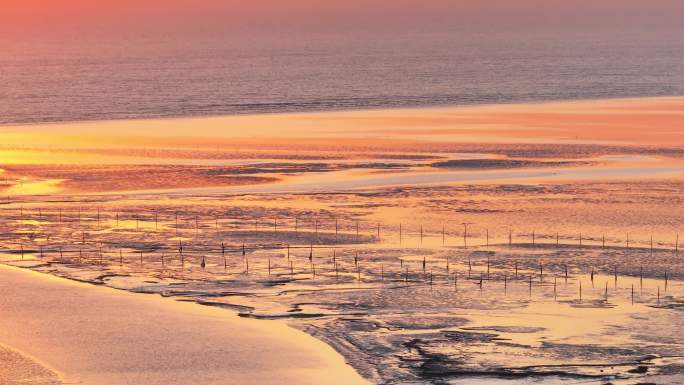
279	352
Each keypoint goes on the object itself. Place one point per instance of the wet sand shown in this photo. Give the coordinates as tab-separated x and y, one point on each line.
348	150
96	335
412	241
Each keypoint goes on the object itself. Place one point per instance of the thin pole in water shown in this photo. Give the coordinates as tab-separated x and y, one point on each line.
456	281
628	241
465	234
223	254
651	245
516	269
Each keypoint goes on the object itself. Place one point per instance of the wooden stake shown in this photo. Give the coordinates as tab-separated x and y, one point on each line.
651	245
627	241
530	284
223	255
516	270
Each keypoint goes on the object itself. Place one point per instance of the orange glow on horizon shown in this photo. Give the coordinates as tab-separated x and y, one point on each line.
265	15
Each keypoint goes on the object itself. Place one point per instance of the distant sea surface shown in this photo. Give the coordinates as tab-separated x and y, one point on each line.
102	79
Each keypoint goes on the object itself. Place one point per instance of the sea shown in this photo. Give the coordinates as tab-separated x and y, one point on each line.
89	78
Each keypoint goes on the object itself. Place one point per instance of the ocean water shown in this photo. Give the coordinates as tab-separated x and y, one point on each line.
96	79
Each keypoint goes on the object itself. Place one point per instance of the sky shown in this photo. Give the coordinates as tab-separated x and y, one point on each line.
184	17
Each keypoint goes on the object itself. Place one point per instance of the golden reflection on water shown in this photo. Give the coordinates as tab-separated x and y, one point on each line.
28	187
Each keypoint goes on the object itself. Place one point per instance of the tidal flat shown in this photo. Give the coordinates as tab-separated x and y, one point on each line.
495	244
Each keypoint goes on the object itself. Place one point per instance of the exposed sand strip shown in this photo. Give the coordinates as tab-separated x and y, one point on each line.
96	335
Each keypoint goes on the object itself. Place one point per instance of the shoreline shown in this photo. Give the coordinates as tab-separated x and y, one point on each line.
519	130
88	348
346	111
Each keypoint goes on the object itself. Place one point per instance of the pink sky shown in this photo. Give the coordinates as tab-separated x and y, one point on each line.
52	16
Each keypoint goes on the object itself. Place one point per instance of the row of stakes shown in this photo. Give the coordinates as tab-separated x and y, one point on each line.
429	276
317	223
